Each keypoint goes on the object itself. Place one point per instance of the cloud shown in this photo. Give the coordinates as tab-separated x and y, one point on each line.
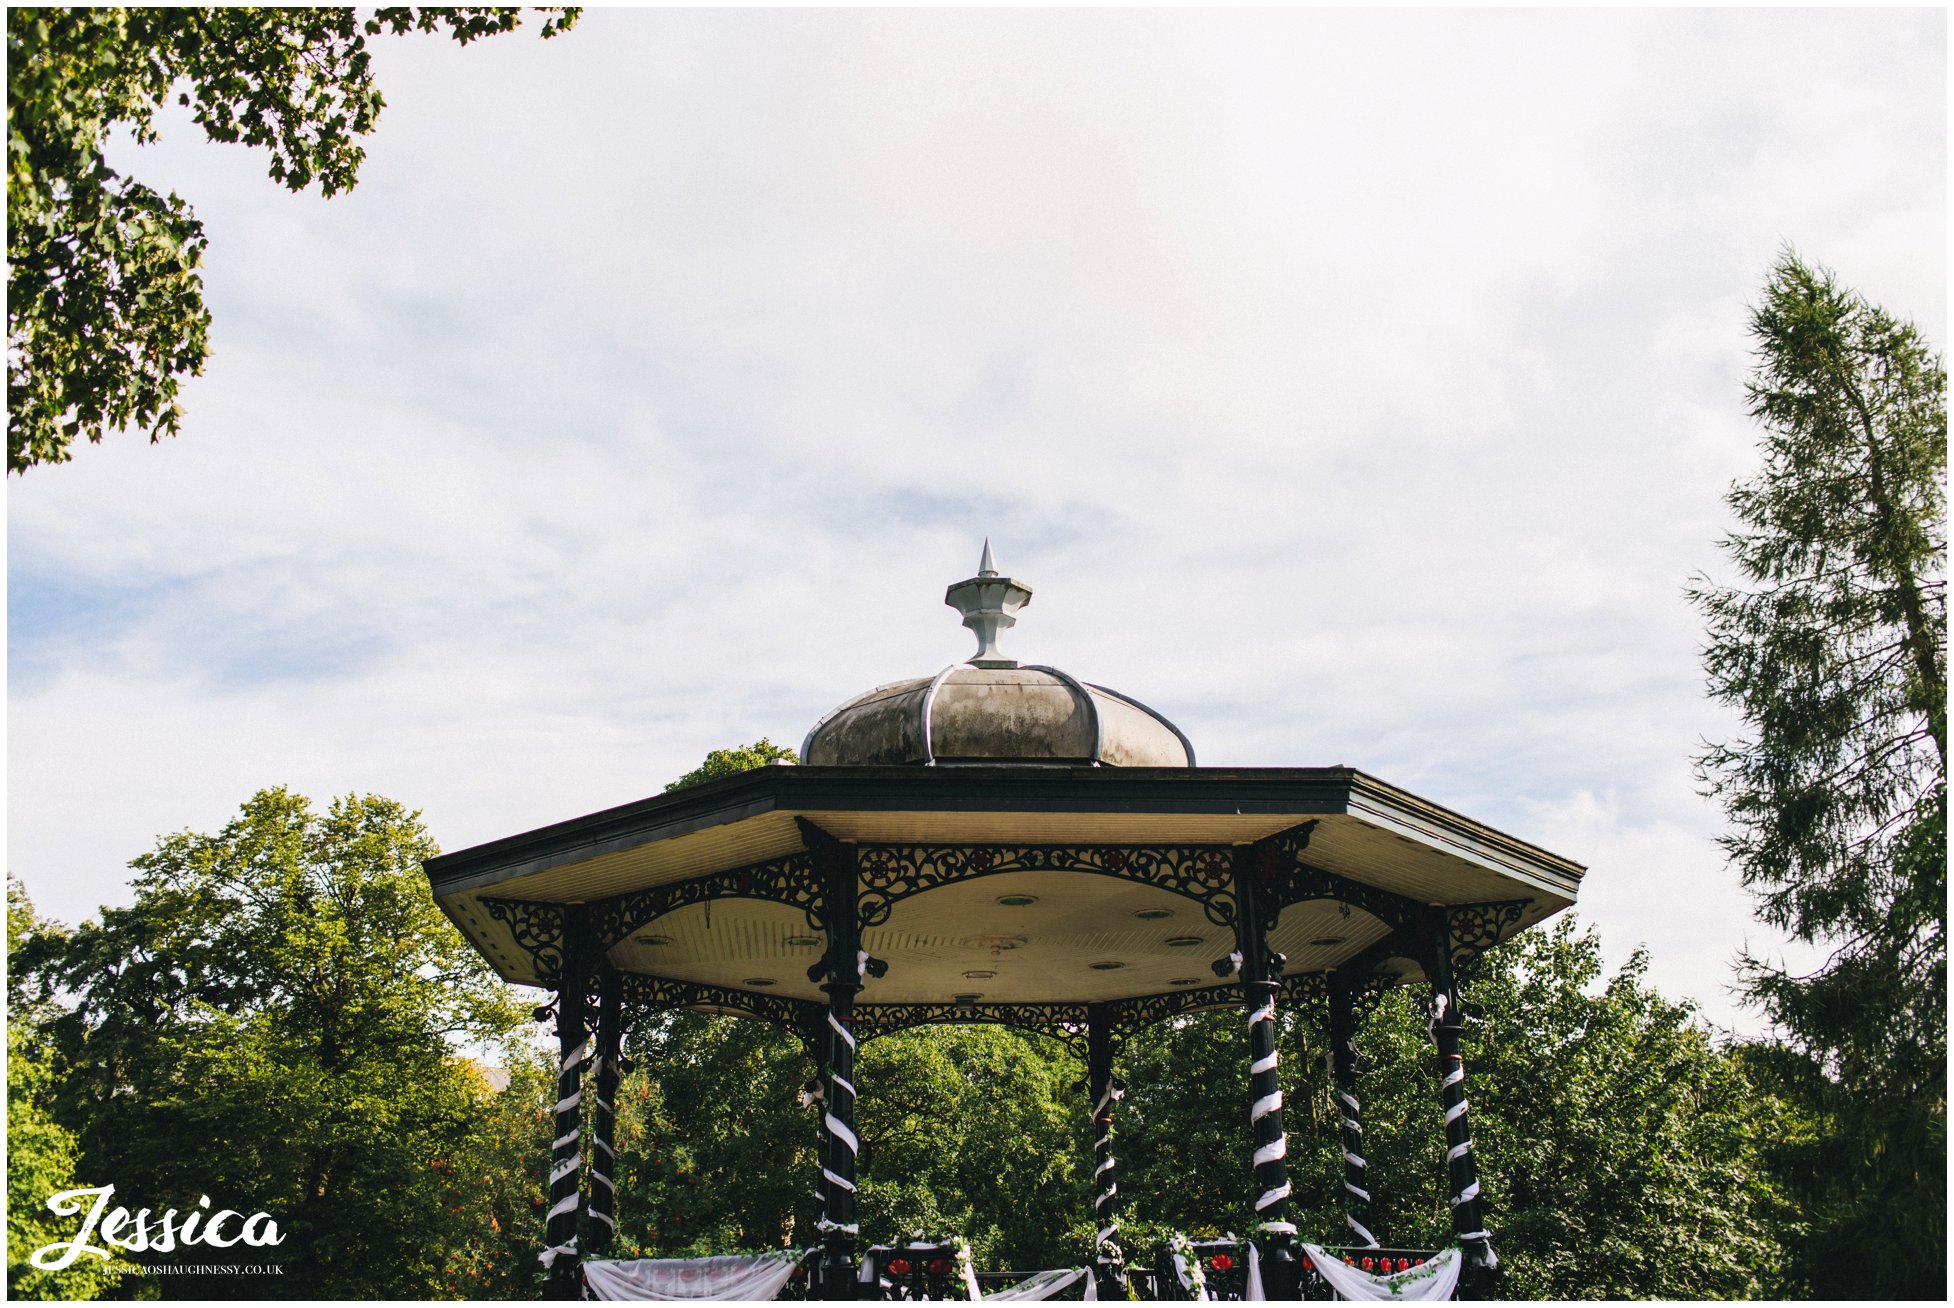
1354	388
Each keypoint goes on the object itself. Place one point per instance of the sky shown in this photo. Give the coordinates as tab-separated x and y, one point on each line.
1353	387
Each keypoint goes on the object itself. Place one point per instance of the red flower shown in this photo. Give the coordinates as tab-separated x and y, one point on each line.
1369	1264
1221	1262
900	1266
939	1267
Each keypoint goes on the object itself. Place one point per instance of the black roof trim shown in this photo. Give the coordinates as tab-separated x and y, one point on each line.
1035	789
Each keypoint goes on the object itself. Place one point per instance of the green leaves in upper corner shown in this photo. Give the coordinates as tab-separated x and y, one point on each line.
105	311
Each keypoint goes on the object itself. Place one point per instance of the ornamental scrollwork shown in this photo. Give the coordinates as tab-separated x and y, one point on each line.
789	880
645	996
1066	1022
1305	988
1305	882
1131	1016
1475	928
892	873
538	931
1366	993
1281	874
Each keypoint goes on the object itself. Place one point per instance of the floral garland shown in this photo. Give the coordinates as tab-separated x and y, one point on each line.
1423	1271
1184	1256
965	1267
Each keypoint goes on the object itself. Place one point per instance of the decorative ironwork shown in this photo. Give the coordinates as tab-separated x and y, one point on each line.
1277	868
1222	1270
644	996
1367	994
1475	928
1066	1022
1305	988
1131	1016
1305	882
1367	985
892	873
920	1270
790	880
538	929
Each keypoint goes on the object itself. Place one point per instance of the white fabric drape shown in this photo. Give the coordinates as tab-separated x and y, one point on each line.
747	1277
1435	1281
1040	1285
1187	1280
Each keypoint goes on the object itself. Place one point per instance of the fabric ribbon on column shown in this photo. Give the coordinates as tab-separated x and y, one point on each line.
1102	1204
1459	1163
1277	1148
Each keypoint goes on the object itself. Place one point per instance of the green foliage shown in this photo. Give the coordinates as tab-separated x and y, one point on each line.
272	1023
731	762
496	1182
976	1131
41	1153
1622	1154
105	308
1834	650
1181	1133
713	1154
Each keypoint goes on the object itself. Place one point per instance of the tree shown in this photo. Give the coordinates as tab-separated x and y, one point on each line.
1834	650
278	1022
105	308
738	759
41	1153
1623	1154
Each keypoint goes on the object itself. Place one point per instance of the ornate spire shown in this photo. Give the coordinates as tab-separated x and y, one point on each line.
989	603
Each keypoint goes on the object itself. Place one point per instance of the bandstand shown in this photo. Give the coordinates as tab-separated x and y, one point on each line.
1009	844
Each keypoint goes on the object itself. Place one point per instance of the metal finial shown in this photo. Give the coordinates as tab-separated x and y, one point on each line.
989	603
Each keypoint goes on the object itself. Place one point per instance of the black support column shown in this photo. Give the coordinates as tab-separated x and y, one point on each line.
841	978
603	1141
1261	978
560	1257
1358	1211
1109	1264
1462	1173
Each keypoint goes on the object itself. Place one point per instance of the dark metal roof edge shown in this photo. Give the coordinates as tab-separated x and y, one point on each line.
1325	791
1373	799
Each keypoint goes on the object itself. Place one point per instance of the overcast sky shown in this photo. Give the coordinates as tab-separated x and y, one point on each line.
1354	388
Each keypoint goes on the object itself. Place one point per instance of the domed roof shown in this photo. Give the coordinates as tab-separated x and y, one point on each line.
990	709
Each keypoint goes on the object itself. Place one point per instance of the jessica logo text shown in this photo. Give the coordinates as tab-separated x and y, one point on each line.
137	1234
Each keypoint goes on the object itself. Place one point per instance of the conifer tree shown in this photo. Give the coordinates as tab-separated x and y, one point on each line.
1833	648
